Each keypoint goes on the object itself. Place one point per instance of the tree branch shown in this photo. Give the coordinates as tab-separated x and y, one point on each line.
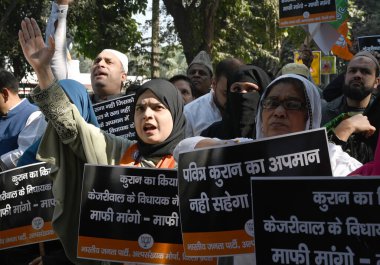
4	19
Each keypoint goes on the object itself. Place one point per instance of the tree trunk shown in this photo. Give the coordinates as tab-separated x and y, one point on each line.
209	24
155	55
101	23
195	25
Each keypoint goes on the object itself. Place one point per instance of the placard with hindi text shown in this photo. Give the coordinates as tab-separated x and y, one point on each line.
116	116
131	214
214	187
316	220
26	206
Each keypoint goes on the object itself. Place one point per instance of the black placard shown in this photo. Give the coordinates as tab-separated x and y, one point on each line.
214	184
369	43
316	220
131	214
26	206
116	116
297	12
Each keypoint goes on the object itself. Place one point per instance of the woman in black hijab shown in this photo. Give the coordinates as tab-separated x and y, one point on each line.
159	124
244	90
156	135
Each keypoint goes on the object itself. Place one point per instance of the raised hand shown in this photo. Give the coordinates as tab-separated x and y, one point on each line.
32	44
36	53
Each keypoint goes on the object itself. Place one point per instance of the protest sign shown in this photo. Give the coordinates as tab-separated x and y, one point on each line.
131	214
302	12
116	116
328	65
214	187
316	220
26	206
369	43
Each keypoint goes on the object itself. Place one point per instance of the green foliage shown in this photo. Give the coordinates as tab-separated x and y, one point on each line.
250	32
364	18
12	13
244	29
172	61
248	29
101	24
95	25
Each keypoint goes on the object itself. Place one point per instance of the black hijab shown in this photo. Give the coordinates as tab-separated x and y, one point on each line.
239	117
168	94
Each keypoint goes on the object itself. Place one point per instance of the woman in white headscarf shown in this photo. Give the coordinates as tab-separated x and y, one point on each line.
289	104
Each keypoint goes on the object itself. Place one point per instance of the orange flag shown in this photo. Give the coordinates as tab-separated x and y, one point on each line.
340	48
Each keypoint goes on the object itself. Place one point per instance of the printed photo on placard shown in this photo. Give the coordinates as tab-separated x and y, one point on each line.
328	65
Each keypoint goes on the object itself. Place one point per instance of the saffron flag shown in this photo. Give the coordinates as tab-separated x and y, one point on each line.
340	48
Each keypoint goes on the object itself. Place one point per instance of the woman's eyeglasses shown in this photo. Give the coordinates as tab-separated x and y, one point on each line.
288	104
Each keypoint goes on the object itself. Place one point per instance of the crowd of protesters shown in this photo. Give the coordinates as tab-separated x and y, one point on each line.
200	108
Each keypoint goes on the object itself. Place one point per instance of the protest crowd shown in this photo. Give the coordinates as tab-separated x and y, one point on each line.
226	112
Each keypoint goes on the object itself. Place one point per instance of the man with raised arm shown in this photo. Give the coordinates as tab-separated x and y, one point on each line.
108	71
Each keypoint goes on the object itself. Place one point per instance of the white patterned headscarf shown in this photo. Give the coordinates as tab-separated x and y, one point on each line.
313	102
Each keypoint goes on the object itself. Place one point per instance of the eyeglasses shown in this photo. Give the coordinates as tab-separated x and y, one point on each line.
288	104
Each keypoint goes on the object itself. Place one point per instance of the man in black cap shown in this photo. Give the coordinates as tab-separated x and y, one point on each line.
200	73
356	108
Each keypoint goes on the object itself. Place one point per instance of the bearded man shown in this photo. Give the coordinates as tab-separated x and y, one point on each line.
357	108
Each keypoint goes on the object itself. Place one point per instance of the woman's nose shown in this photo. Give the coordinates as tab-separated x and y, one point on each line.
148	113
279	110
